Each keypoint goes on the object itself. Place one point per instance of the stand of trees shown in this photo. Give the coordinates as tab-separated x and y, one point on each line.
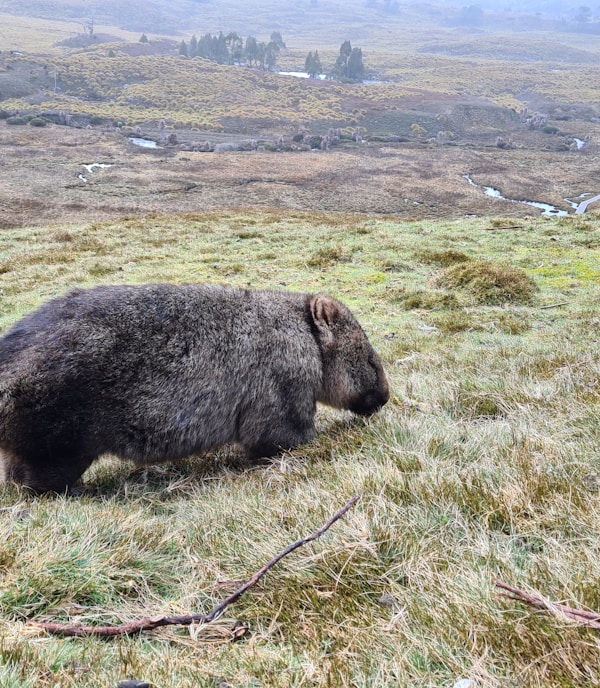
233	49
348	66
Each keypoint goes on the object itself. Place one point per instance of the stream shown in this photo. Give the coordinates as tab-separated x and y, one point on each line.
547	209
90	169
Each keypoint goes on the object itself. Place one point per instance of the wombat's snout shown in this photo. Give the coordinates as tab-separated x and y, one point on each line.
371	402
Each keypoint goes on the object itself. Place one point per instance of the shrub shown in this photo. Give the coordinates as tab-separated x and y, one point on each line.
16	120
490	283
38	122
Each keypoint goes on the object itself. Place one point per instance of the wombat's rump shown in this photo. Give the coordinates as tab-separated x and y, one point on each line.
159	372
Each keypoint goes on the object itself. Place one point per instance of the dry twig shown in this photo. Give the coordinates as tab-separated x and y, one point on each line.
554	305
579	616
495	229
150	624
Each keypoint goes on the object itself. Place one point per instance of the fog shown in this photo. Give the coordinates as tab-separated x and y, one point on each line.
174	16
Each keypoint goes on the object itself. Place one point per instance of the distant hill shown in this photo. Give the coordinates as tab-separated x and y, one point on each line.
331	20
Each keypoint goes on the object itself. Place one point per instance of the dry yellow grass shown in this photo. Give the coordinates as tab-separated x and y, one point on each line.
35	36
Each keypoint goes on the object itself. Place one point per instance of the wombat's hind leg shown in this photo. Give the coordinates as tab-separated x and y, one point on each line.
42	477
283	422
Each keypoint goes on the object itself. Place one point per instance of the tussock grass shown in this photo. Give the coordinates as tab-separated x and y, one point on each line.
485	464
327	256
427	300
442	258
489	283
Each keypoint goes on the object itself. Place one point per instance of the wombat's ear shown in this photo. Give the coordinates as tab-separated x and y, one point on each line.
324	312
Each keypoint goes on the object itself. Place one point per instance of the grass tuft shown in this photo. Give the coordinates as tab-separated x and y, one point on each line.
442	258
490	283
329	255
425	300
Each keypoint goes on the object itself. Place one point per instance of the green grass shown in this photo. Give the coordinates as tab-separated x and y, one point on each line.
485	464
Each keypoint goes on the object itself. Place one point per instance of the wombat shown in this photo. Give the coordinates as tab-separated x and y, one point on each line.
160	372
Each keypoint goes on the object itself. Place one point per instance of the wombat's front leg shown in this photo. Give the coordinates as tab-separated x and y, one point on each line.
279	435
264	450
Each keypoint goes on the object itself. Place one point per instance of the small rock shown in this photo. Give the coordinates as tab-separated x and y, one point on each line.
133	684
464	683
387	600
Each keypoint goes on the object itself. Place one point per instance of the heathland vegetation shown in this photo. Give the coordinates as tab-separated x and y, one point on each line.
485	463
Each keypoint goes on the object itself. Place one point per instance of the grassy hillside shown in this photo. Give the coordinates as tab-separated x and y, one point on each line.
413	52
483	465
199	93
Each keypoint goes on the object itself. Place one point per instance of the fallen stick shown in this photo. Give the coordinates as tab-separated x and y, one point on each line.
554	305
580	616
151	624
494	229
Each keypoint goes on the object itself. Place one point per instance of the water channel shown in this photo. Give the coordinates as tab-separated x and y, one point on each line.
547	210
90	169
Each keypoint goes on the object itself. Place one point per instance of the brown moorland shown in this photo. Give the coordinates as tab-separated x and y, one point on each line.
45	180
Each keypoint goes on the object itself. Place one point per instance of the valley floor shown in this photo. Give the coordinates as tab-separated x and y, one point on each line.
62	174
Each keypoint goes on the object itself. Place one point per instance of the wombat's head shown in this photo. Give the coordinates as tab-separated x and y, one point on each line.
353	376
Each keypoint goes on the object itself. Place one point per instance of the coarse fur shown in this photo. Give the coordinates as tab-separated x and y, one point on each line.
160	372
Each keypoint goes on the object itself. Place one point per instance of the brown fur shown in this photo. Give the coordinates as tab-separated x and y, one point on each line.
159	372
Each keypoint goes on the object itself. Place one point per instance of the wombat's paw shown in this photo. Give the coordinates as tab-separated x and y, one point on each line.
79	491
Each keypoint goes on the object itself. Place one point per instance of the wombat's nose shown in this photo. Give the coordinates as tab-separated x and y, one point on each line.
371	402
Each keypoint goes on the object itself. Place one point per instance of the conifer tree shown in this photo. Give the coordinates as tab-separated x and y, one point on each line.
355	67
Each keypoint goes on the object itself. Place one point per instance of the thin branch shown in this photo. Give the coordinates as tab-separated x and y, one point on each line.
150	624
580	616
554	305
495	229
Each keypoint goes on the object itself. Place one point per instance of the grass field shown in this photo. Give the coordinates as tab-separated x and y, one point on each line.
485	464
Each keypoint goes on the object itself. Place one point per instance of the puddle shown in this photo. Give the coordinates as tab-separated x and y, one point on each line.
323	77
144	143
302	75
